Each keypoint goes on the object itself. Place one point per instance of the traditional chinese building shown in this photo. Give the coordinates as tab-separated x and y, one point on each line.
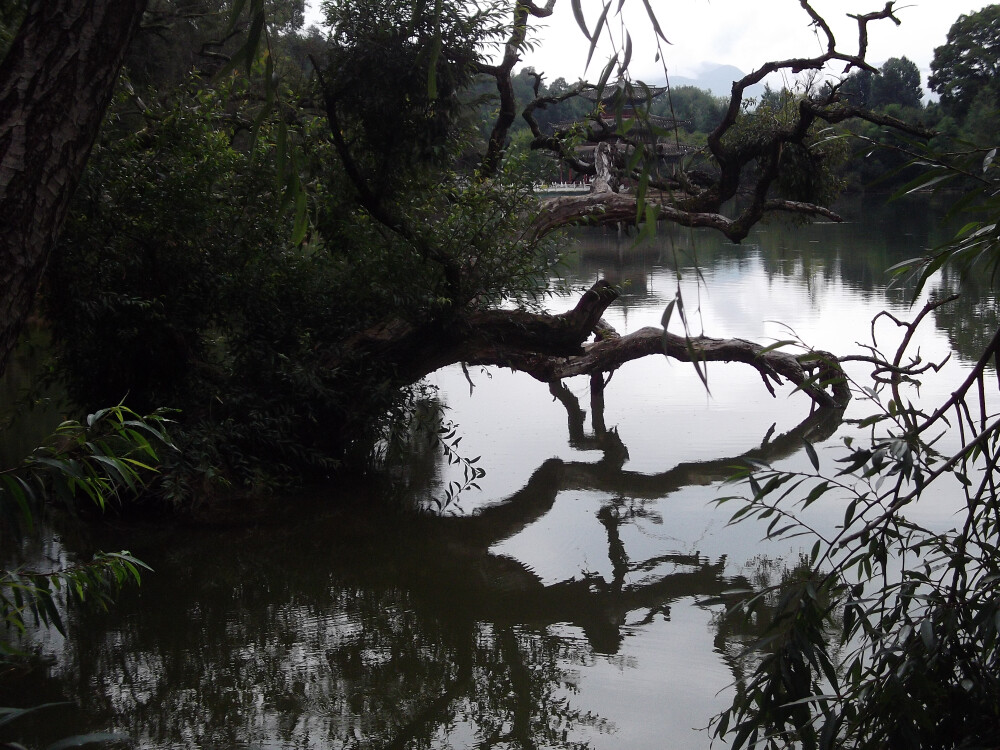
622	110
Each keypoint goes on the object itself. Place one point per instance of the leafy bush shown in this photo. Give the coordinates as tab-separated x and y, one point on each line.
180	281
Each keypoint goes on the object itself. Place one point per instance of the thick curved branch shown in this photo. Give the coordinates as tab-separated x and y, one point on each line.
552	347
523	10
816	374
613	208
413	350
799	207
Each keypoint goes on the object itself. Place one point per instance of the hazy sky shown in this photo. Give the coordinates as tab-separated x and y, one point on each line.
743	33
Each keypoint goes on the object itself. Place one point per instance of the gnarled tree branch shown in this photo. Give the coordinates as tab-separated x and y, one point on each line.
553	347
698	201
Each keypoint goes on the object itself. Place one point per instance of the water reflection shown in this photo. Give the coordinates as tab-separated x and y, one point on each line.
356	629
819	258
577	603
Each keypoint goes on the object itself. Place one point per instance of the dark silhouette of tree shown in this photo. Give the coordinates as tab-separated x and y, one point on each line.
897	82
56	81
857	88
969	62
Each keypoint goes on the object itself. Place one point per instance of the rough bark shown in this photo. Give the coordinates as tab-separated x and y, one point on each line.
55	84
414	351
817	374
523	9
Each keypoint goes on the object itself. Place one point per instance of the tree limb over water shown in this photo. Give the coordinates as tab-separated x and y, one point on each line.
553	347
462	243
749	157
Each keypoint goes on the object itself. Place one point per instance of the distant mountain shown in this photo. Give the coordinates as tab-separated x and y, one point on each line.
717	79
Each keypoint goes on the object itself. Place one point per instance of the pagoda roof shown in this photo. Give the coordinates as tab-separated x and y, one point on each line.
634	92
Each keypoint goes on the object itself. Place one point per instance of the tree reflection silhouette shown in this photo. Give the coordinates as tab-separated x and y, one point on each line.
598	607
364	628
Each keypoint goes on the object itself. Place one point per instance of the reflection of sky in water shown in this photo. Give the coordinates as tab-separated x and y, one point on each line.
660	691
319	634
665	416
660	407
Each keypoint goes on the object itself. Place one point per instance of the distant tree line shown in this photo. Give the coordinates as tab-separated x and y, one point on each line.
965	76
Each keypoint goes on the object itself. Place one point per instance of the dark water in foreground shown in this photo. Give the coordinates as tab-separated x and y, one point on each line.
577	601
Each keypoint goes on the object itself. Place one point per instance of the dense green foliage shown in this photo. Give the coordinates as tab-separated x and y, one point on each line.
897	82
414	115
965	73
695	110
967	67
181	280
179	246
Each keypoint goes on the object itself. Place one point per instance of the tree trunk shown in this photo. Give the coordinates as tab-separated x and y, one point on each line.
553	347
55	84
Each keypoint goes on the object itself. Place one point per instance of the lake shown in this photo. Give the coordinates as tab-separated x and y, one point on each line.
578	598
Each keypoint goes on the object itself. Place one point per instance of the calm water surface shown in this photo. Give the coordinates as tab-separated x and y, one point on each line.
577	600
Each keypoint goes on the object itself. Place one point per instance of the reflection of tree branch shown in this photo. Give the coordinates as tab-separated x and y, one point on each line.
520	510
610	519
600	610
597	403
514	594
535	499
575	414
608	442
817	427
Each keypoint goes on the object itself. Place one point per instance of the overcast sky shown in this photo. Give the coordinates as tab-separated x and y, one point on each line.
743	33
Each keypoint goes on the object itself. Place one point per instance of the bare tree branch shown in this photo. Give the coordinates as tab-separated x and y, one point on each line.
696	199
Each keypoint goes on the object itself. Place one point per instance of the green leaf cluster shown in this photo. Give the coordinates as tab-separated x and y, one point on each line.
969	62
107	458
